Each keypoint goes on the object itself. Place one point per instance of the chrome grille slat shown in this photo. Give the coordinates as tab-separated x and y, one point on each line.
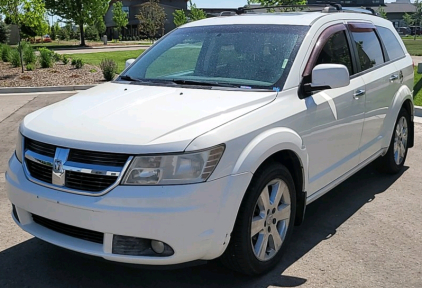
84	172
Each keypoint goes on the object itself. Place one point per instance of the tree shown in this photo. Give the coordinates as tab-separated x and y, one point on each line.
120	18
196	13
151	18
415	18
179	18
381	12
81	12
4	31
30	13
268	3
101	27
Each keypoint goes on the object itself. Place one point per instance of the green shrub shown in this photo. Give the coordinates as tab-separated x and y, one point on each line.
23	46
56	57
15	58
79	63
5	53
109	68
65	59
30	66
29	55
73	63
46	58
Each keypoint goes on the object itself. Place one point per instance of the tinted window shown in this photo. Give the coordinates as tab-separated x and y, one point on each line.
391	43
249	56
369	49
336	51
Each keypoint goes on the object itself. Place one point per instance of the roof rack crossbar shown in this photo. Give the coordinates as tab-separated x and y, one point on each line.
243	10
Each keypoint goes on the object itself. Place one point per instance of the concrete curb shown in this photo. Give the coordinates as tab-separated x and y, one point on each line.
19	90
418	111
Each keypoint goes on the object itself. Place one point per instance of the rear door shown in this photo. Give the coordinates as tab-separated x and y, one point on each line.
381	79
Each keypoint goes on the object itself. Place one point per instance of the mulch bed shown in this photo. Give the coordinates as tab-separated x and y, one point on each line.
59	75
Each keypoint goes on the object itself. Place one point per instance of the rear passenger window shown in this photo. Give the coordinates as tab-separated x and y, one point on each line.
394	49
336	51
369	49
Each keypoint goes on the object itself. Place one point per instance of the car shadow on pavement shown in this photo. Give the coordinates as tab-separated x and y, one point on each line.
35	263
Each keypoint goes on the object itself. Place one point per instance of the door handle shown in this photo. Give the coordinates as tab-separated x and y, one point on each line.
394	77
359	93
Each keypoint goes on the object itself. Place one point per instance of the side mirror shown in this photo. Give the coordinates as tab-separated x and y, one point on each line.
328	76
129	62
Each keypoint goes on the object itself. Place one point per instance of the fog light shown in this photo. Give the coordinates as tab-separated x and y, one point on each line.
134	246
157	246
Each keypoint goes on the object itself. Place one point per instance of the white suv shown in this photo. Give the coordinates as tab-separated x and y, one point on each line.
213	142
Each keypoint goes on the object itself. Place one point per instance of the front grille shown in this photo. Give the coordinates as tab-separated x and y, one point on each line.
97	171
98	158
39	171
40	148
88	182
76	232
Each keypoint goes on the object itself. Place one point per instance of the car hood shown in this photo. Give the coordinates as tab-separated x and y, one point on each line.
129	118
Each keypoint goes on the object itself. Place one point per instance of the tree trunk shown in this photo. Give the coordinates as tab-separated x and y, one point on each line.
81	30
20	48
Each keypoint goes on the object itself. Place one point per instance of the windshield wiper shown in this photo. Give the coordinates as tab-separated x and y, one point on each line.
128	78
203	83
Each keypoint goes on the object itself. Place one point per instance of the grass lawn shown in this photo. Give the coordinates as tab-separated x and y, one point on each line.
119	56
414	47
418	88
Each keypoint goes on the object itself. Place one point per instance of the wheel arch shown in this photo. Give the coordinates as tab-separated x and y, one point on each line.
402	99
284	146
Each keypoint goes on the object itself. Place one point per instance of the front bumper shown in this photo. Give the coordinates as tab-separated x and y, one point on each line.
195	220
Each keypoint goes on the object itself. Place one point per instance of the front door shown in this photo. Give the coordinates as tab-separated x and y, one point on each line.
334	116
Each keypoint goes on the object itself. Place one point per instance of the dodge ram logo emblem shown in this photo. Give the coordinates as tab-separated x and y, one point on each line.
58	166
59	172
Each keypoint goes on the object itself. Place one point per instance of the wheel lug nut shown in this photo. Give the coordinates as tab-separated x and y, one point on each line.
269	229
273	210
268	212
265	223
274	221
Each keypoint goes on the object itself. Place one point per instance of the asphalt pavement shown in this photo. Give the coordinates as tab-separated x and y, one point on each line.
367	232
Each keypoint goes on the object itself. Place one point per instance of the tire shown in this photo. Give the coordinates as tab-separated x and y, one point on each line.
392	162
277	182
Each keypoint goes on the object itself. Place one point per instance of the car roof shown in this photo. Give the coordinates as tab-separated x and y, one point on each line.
285	18
288	18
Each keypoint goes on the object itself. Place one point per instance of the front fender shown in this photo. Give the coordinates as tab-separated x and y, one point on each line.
401	96
268	143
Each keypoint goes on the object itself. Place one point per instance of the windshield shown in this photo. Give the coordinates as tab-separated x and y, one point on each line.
242	56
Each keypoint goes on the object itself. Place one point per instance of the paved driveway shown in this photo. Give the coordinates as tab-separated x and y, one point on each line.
365	233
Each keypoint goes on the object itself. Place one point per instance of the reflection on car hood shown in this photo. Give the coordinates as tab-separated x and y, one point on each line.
138	119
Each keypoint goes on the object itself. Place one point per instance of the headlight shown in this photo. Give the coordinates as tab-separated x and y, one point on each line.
19	147
183	168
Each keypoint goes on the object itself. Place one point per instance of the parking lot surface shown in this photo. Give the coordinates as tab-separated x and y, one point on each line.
367	232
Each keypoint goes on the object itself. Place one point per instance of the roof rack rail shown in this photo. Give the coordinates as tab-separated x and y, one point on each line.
326	8
243	10
228	13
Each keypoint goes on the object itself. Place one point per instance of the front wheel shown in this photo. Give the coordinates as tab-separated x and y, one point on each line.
264	223
393	161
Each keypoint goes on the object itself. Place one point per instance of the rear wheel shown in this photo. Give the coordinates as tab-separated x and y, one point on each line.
264	223
393	161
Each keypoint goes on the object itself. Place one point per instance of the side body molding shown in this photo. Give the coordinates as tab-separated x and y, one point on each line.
401	96
268	143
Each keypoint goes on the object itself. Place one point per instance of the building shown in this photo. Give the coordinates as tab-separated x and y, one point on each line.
396	10
132	8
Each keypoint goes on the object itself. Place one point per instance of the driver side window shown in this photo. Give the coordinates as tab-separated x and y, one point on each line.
336	51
